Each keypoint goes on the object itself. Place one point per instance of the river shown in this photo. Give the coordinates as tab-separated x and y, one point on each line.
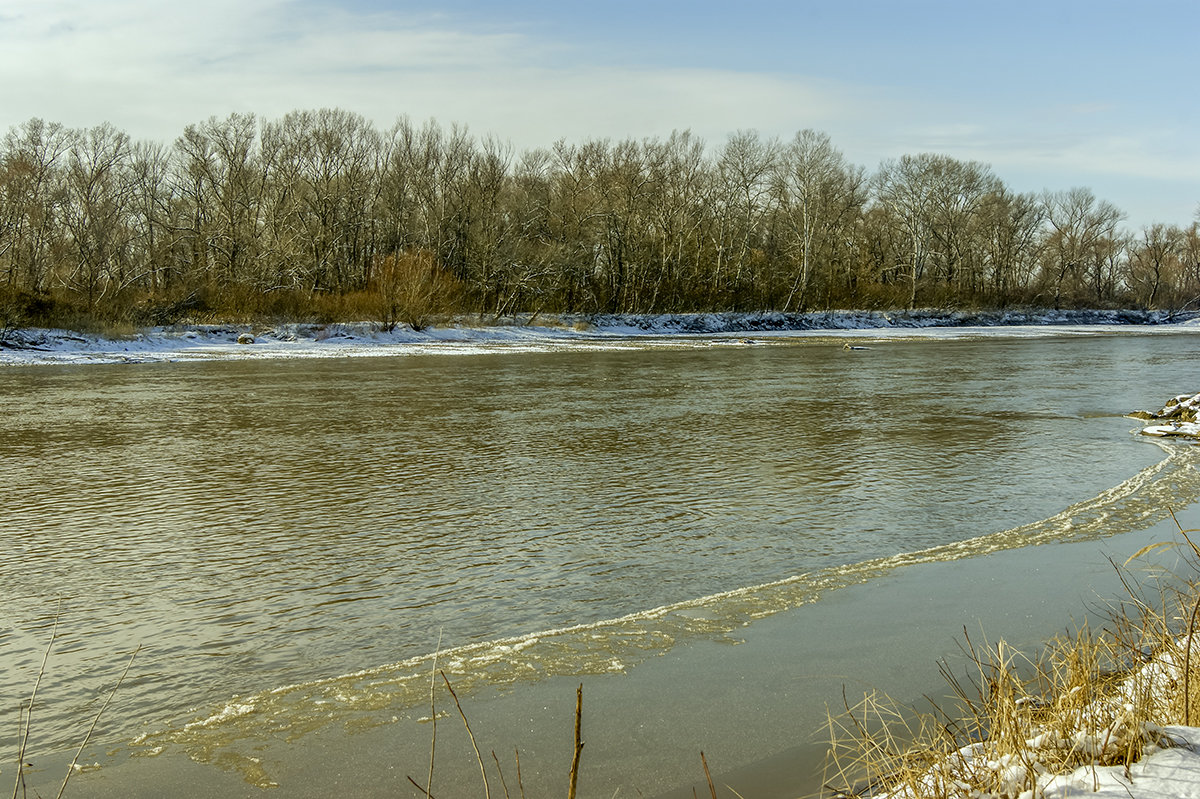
713	535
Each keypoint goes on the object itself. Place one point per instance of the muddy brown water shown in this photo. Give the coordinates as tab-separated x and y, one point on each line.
715	539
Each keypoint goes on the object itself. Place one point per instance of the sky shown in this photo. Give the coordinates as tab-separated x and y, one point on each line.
1051	94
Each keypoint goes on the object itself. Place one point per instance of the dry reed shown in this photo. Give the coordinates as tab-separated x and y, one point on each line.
25	719
1092	699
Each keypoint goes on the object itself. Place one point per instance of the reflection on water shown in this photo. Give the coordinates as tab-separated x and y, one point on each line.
258	526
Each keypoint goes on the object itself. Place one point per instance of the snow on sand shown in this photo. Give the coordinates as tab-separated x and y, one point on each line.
221	342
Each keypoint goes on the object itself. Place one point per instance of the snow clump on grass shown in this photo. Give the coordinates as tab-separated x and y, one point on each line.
1093	713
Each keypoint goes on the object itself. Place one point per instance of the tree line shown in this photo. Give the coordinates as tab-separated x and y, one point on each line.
321	214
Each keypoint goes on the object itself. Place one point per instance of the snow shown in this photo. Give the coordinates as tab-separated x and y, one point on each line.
1177	418
1108	728
218	342
1173	429
222	342
1169	772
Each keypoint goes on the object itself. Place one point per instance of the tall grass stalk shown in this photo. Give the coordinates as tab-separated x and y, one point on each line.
487	790
25	718
23	731
433	715
1091	699
95	721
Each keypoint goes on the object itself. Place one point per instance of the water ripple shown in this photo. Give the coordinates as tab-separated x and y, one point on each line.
256	525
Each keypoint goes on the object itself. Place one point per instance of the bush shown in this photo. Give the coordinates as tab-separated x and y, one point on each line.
412	288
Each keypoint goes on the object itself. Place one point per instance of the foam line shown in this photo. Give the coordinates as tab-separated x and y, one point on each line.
388	693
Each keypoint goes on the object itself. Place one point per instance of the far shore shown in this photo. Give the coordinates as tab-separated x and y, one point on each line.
256	340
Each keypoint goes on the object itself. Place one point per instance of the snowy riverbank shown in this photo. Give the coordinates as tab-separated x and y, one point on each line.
1178	418
254	341
1167	773
1078	733
1169	770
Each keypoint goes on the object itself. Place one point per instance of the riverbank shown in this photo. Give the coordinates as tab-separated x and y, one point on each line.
1089	738
1109	712
364	339
1069	730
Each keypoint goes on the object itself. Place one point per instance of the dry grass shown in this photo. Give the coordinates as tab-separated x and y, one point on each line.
1095	698
26	715
573	777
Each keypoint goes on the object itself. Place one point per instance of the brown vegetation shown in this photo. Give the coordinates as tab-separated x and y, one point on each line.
321	215
1092	699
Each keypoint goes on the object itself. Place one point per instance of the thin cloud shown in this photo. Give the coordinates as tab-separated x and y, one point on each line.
151	68
128	62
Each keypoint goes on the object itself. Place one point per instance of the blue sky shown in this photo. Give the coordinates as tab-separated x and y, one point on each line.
1051	94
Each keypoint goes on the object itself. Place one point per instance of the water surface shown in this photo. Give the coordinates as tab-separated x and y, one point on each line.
289	541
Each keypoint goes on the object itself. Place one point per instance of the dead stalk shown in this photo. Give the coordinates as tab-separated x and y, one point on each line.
711	788
500	771
520	784
433	714
578	741
24	734
1187	664
95	721
417	785
487	791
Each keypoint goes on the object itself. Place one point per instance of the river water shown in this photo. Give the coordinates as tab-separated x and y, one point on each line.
289	543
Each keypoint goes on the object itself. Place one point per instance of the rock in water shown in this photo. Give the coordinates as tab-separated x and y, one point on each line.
245	338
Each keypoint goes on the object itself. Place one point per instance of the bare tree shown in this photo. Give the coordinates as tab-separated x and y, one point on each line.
1009	232
903	187
576	215
318	212
99	192
326	167
489	221
820	197
151	215
679	181
33	192
1155	262
220	177
744	199
1082	234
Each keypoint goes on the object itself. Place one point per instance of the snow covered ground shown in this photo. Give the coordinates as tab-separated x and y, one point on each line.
212	342
1178	418
1168	773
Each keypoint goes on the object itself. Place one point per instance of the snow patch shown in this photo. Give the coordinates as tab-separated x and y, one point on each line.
223	342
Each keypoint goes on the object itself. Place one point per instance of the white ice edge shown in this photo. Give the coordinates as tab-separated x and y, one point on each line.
1173	429
220	342
465	656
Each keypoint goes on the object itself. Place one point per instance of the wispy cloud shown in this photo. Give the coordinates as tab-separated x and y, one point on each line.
145	60
151	68
155	66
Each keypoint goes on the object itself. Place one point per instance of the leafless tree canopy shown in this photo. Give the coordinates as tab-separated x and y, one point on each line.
322	214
